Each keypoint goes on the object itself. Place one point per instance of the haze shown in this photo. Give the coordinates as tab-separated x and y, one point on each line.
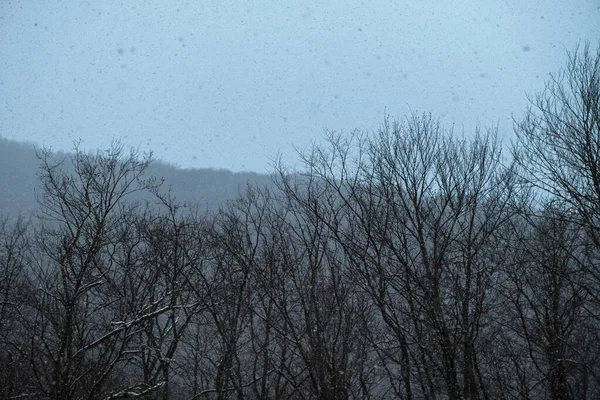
227	84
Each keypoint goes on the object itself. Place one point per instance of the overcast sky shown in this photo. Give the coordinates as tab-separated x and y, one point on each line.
230	84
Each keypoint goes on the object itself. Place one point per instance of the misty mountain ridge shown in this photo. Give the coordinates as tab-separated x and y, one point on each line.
207	188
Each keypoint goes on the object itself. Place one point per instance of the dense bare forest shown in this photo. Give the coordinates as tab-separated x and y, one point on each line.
410	263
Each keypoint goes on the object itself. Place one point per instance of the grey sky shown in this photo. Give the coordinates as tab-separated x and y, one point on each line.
229	84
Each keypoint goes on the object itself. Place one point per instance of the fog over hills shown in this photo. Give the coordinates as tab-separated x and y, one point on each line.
207	188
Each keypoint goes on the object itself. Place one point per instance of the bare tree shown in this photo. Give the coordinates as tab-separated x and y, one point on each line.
172	250
327	325
81	316
220	340
14	291
417	212
558	140
554	335
558	151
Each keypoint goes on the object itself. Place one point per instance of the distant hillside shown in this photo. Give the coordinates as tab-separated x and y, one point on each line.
207	187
